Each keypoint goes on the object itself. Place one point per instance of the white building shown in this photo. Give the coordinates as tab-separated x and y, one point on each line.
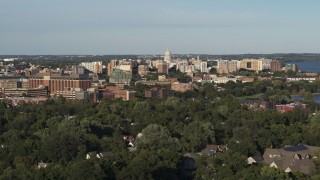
95	67
227	66
204	67
168	56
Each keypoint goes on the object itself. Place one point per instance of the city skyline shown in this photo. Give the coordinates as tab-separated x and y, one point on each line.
144	27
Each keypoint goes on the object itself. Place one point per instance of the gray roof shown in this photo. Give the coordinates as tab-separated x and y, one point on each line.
297	158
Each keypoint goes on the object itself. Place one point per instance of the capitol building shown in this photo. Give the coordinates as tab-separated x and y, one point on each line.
168	56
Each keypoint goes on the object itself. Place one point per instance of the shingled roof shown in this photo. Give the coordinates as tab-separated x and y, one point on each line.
292	158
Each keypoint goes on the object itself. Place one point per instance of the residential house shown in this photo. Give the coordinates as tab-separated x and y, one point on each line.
99	155
90	155
42	165
254	159
104	154
211	149
292	158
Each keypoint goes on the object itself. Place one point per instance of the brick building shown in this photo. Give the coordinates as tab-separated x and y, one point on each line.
60	83
159	93
182	87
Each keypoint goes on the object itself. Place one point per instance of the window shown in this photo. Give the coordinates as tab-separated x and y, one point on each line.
248	64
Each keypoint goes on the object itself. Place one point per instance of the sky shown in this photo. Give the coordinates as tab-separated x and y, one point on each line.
108	27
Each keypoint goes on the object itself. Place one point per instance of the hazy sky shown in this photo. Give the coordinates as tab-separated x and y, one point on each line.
151	26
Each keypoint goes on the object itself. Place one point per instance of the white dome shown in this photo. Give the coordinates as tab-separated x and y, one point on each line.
167	56
167	53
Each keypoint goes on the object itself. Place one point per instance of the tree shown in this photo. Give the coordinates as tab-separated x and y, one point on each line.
59	146
155	137
270	173
197	135
155	164
85	169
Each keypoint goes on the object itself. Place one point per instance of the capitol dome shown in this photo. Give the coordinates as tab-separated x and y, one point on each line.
167	56
167	53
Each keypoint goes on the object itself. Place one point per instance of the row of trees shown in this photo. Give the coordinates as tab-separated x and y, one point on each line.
60	133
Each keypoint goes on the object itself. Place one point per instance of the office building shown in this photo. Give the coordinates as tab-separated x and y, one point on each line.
275	66
204	67
95	67
158	93
60	83
163	68
143	70
120	76
111	65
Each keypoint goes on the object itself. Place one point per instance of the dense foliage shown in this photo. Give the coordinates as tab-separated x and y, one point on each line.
61	133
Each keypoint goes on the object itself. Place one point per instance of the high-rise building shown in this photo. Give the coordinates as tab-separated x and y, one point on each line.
275	66
111	65
95	67
181	65
255	64
251	64
292	67
78	69
143	70
204	67
120	76
226	66
163	68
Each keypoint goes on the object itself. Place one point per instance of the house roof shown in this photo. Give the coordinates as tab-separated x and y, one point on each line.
297	158
212	148
305	166
299	147
257	158
106	154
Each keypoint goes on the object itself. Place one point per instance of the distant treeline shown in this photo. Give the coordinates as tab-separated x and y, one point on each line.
63	60
281	57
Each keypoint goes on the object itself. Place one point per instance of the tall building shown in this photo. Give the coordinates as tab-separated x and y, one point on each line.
226	66
143	70
251	64
111	65
95	67
255	64
204	67
266	63
181	65
163	68
292	67
120	76
78	69
168	56
196	63
275	66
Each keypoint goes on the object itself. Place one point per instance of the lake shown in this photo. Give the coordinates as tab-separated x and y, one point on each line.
307	66
316	97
